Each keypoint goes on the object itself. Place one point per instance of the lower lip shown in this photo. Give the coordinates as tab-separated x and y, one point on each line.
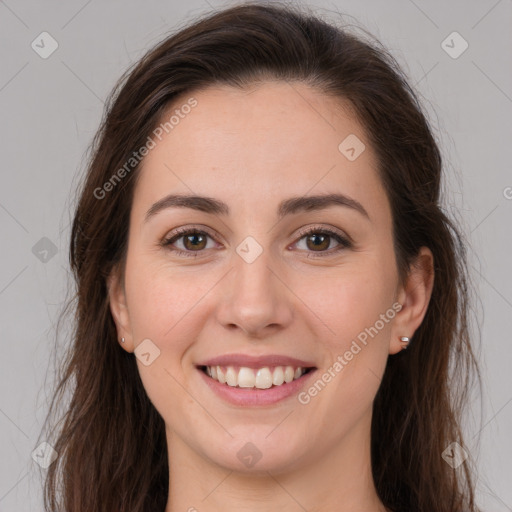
254	396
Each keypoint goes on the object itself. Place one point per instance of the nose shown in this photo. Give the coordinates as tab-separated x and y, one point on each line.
255	298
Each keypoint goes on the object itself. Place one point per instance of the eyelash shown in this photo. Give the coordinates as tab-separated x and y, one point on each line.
344	243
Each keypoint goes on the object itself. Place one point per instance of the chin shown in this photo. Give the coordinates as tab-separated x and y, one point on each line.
256	452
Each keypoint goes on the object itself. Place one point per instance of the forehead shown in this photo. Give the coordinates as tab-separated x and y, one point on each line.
267	142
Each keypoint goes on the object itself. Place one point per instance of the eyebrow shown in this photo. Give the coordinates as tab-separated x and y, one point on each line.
289	206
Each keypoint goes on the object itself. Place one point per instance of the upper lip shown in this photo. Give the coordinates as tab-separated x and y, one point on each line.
256	361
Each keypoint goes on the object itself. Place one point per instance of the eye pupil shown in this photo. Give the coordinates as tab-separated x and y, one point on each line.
192	236
322	244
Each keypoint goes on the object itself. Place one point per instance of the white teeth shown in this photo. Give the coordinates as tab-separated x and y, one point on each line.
261	378
246	378
278	377
231	377
288	374
220	375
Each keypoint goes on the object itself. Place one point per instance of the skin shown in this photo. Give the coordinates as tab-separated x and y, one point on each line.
252	149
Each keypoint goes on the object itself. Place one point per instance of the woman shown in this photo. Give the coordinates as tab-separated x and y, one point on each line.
269	294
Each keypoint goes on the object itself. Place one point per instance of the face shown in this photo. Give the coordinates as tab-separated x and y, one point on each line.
262	282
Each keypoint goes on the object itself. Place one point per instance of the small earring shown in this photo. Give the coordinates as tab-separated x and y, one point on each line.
405	342
122	340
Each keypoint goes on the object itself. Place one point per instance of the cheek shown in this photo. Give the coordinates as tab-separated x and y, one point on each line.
161	304
149	306
157	302
355	306
356	309
350	299
160	299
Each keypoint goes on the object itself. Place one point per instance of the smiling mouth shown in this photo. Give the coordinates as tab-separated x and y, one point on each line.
255	378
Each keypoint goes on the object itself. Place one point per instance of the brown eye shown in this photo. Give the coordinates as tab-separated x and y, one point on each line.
193	242
318	241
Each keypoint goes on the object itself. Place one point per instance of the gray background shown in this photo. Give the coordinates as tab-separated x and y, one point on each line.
50	109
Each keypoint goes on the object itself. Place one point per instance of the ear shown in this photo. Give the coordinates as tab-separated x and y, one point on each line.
414	297
119	309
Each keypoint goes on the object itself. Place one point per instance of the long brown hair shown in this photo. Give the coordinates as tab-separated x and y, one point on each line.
111	440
